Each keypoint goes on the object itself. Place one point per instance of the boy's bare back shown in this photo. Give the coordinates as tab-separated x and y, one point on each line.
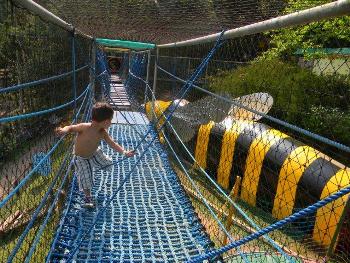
88	139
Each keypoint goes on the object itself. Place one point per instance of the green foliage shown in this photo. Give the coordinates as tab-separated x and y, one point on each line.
322	118
300	97
330	33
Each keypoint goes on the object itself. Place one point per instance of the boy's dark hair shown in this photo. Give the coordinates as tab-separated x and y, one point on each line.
101	111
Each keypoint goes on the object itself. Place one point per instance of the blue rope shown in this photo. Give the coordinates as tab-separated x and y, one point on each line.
37	211
43	225
174	105
42	203
63	219
275	120
37	82
86	116
74	86
30	174
304	212
32	114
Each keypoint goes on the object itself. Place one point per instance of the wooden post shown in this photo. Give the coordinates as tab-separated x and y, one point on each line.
147	74
155	81
233	195
93	67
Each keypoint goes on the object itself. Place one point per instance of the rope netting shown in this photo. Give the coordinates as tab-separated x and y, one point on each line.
262	135
166	20
256	129
39	91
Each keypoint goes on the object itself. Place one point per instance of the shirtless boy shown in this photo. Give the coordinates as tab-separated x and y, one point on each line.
86	148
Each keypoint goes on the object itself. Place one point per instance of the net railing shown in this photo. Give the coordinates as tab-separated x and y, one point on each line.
46	85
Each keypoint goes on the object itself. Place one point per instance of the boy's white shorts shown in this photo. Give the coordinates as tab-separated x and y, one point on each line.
84	168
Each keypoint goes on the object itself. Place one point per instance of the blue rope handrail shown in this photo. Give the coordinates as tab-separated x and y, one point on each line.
42	227
189	84
42	203
69	201
37	82
32	114
37	211
49	212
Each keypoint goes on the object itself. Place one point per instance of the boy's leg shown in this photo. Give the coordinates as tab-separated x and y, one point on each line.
83	169
102	160
87	193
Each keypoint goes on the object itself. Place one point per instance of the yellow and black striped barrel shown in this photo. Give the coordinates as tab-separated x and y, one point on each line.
279	174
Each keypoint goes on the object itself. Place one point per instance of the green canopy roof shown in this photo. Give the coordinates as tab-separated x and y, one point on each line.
124	44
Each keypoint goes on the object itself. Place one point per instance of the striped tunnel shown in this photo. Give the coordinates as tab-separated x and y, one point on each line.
279	174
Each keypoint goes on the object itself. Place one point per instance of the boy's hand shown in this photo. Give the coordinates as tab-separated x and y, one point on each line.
129	153
60	131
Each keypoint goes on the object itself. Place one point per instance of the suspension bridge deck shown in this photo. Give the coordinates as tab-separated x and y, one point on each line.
118	94
149	220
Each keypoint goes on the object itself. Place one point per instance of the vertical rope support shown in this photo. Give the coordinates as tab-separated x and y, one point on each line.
74	86
93	67
147	73
333	244
155	78
174	72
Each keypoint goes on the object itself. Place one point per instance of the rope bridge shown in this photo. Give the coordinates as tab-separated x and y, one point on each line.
150	219
231	164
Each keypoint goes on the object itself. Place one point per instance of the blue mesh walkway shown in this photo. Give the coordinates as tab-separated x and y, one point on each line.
150	220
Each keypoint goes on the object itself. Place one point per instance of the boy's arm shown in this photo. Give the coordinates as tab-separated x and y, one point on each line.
115	145
70	129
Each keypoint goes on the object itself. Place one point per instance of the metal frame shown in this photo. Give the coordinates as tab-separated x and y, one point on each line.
48	16
340	7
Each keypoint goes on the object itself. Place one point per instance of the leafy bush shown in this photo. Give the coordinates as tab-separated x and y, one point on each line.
300	97
330	33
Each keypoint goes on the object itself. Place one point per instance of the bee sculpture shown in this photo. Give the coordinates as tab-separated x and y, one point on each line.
279	174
